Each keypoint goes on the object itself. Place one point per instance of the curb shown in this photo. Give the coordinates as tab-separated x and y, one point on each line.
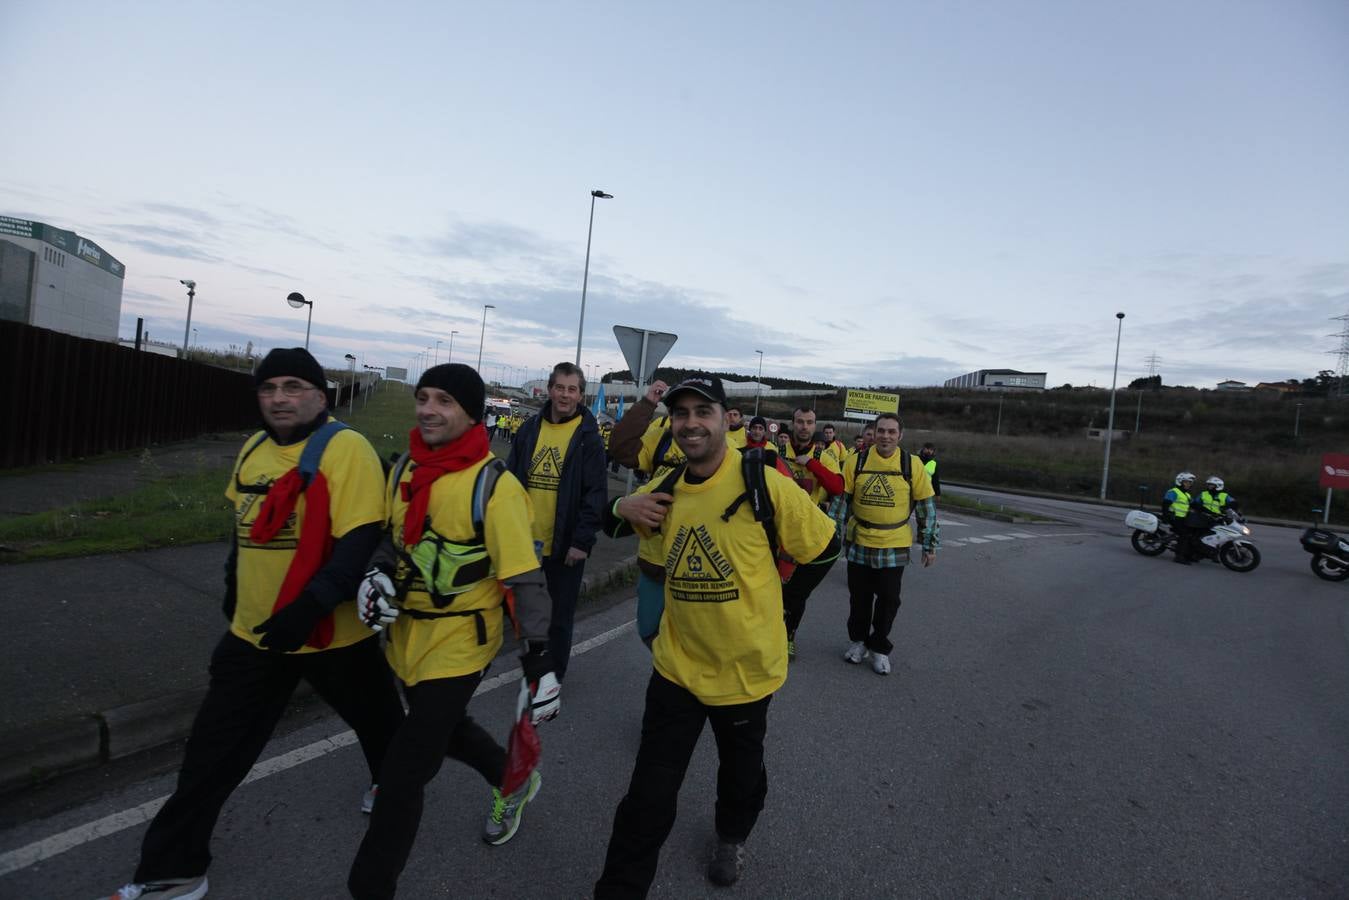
43	751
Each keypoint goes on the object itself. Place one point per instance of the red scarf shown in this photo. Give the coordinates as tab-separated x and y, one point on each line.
751	442
458	454
311	550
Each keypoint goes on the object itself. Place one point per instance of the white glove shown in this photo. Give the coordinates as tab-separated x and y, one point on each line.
543	698
374	601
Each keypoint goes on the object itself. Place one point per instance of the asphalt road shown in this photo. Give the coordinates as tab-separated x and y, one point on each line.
1066	718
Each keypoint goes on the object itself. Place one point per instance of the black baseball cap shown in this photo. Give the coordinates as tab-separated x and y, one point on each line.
709	387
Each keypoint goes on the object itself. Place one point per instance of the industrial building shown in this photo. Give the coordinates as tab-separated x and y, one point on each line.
1000	380
56	279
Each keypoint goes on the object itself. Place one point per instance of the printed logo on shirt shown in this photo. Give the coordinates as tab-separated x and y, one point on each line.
250	505
877	492
545	471
696	571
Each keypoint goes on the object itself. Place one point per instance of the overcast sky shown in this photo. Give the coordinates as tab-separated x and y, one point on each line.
870	193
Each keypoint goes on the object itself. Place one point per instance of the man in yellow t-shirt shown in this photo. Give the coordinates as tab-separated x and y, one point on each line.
559	458
439	582
879	501
721	651
735	431
287	599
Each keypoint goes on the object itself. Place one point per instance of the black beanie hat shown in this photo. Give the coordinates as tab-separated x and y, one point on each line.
461	382
758	420
293	361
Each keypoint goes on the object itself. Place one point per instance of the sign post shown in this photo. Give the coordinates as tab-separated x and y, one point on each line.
1334	474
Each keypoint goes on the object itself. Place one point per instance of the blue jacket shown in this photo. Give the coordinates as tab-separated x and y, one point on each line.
583	488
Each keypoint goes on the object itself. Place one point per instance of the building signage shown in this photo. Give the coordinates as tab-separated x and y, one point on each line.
67	241
868	404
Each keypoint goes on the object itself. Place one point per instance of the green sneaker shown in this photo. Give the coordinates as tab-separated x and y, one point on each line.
791	648
504	819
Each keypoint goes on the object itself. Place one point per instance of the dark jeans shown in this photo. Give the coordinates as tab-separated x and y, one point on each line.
248	692
436	720
798	588
671	726
873	603
564	586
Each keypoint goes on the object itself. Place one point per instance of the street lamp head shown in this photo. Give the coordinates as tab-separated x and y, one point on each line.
296	300
602	195
187	281
488	306
350	357
1119	315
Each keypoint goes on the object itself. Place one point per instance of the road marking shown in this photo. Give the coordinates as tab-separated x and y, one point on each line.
999	537
1022	534
23	857
946	544
975	540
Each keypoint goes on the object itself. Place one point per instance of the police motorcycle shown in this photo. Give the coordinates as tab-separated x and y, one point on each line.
1330	552
1227	541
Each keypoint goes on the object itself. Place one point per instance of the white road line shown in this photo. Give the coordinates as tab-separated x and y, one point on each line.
945	544
1022	534
975	540
23	857
999	537
951	523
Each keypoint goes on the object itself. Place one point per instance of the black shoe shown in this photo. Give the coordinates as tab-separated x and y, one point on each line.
724	870
1183	561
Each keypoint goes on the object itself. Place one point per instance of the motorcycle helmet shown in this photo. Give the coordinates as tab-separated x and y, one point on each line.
1184	477
1214	482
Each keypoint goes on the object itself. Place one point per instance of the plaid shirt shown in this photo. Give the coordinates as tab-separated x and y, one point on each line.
887	557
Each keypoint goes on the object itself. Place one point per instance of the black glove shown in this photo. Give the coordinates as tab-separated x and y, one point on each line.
288	630
536	661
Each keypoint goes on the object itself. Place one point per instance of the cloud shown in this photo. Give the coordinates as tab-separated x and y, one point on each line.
481	242
201	217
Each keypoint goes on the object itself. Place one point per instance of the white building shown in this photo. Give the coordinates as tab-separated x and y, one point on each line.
56	279
999	380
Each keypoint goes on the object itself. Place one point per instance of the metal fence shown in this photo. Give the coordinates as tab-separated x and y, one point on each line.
66	397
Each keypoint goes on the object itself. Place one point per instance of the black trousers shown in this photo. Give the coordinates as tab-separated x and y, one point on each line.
248	692
671	726
564	586
437	725
873	603
798	588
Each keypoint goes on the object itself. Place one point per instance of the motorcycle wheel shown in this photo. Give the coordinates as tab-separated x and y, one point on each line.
1239	557
1328	568
1148	544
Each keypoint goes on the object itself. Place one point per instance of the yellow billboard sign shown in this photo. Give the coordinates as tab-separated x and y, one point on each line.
868	404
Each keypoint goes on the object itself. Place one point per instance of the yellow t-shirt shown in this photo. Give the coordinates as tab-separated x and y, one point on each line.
545	474
736	438
722	636
354	477
421	649
806	478
881	495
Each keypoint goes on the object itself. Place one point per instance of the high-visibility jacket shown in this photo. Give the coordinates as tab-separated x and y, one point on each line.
1214	503
1180	502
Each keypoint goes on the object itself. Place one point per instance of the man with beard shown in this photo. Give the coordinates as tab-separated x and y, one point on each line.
308	504
735	432
558	456
720	654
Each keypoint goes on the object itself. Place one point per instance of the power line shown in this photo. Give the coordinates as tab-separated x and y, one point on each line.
1342	353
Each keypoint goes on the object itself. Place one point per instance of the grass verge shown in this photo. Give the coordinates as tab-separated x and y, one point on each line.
976	506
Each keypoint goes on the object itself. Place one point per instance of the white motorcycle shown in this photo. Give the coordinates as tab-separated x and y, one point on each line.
1227	542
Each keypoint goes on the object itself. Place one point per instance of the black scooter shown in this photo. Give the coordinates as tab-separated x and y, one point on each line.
1330	552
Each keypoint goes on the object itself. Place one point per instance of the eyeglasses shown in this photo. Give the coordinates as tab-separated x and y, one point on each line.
289	389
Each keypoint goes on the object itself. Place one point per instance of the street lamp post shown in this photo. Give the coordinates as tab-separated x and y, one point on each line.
758	382
297	300
1110	422
1297	418
449	357
351	400
585	277
191	292
436	358
997	429
483	333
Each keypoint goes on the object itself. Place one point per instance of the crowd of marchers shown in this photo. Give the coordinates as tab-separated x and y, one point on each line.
391	587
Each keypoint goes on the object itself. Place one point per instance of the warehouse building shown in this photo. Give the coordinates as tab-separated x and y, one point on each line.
56	279
1000	380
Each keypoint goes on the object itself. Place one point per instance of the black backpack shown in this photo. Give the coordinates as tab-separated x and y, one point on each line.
753	462
905	470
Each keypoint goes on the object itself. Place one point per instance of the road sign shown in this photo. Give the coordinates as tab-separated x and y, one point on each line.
1334	470
396	373
643	350
868	405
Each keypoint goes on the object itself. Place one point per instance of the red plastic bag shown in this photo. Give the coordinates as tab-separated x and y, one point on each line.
523	748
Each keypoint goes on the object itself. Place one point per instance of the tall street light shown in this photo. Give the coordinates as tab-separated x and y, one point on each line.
297	301
585	277
351	399
758	382
436	358
191	292
449	358
1110	423
483	333
1297	418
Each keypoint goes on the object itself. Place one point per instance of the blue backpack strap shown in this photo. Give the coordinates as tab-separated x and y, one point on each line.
313	450
483	488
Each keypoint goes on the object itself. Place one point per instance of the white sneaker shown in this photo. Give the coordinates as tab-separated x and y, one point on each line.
880	663
855	653
368	801
167	889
